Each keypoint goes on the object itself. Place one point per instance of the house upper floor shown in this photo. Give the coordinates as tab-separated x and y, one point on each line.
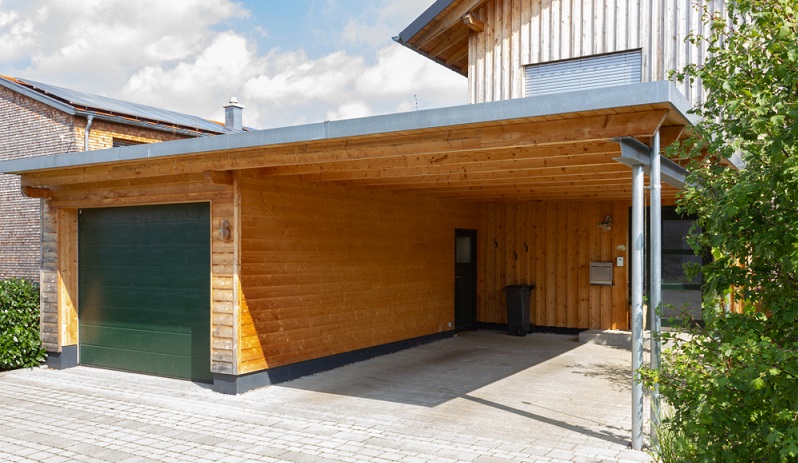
523	48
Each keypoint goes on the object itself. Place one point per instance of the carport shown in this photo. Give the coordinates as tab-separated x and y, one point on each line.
334	242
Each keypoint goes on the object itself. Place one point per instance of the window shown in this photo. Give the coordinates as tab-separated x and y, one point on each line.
678	291
584	73
118	142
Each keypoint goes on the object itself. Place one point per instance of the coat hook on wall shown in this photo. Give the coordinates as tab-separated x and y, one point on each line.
495	243
515	254
526	248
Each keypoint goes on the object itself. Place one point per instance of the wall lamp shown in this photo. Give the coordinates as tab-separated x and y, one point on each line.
606	225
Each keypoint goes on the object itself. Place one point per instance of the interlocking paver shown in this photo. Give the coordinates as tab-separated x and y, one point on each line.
481	397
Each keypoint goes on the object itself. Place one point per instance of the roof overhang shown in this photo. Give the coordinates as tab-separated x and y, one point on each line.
441	33
555	147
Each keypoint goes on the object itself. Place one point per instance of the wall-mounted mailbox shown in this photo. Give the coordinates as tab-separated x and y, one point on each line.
601	273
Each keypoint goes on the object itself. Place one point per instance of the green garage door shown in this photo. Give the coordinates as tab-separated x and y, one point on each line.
144	289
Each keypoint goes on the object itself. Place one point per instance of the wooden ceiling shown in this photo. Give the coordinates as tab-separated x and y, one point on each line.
445	38
561	157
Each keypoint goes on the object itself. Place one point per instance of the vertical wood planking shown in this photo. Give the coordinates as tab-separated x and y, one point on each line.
562	237
551	266
67	275
620	318
541	298
519	32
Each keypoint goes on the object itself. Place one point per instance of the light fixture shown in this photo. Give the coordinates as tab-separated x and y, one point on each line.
606	225
224	230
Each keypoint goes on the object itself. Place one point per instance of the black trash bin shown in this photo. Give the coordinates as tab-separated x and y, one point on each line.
518	299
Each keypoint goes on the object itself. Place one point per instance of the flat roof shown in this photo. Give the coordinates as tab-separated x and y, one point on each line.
651	93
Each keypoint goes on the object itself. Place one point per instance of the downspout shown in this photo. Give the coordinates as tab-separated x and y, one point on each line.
89	120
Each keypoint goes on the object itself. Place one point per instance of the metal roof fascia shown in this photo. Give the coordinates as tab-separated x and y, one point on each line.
584	100
149	125
38	96
419	23
426	17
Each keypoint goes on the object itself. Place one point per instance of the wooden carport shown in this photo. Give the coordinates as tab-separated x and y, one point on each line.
546	166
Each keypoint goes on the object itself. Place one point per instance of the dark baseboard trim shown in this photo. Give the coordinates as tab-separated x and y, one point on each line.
237	384
532	328
67	358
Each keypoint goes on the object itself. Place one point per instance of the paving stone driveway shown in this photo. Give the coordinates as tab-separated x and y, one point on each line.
481	397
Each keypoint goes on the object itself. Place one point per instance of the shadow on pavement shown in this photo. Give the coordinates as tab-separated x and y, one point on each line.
437	373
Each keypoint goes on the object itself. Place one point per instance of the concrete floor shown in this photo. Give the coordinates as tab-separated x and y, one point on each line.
479	397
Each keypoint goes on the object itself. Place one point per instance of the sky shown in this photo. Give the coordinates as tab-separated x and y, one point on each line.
288	62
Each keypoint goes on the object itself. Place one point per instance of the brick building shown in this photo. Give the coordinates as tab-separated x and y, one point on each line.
39	119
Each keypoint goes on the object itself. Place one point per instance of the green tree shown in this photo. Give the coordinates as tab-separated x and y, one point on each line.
732	386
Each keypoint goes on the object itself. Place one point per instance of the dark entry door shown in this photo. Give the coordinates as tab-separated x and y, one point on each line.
144	289
465	280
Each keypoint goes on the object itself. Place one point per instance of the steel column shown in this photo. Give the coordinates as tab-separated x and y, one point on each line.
637	253
655	272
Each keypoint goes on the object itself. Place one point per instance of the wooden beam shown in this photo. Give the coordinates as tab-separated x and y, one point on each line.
439	141
477	166
473	23
451	19
566	181
218	178
525	174
456	38
461	53
450	159
36	192
671	134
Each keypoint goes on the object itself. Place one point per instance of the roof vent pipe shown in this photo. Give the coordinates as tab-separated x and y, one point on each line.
86	131
233	115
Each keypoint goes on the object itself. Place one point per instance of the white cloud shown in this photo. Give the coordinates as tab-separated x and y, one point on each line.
173	55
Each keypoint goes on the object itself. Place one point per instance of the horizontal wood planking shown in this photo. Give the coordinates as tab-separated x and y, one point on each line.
522	32
551	244
327	269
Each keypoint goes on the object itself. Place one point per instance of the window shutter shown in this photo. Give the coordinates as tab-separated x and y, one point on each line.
584	73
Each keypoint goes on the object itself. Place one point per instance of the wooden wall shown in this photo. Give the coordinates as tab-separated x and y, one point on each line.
551	244
59	253
521	32
328	269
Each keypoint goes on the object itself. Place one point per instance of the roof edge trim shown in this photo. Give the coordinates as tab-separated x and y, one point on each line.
40	97
660	92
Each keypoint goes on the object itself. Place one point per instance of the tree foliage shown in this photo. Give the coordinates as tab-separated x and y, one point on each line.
732	386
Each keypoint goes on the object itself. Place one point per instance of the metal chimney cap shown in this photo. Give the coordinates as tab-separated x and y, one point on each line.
233	100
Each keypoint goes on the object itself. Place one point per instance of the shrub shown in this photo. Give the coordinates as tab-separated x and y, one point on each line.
20	344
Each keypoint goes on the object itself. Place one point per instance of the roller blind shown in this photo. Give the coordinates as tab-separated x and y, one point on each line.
590	72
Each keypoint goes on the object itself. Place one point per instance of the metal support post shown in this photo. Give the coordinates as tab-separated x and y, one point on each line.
637	254
655	271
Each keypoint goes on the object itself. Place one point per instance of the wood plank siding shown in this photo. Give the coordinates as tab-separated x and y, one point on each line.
327	269
551	244
522	32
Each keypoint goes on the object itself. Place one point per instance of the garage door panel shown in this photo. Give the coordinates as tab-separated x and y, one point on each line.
153	256
139	318
166	234
158	300
144	289
144	278
120	359
177	342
